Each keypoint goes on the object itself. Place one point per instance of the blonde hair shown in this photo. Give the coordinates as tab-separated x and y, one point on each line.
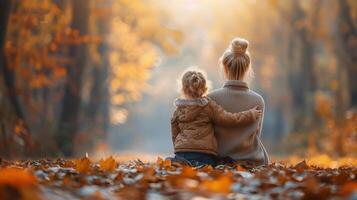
236	59
193	84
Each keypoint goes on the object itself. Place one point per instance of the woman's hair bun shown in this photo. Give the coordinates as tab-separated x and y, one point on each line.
239	46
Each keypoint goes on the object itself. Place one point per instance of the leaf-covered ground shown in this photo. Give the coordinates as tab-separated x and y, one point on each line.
107	179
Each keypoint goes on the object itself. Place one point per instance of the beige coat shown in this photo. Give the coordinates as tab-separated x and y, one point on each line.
192	124
240	142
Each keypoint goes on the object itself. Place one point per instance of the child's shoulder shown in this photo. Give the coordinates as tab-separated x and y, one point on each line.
209	100
204	101
189	109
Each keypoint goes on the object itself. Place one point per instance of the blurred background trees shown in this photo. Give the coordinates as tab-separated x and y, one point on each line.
77	75
65	62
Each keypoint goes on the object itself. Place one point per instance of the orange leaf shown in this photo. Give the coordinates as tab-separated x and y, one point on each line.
160	162
149	175
348	188
301	166
220	185
59	72
119	176
108	164
17	177
188	172
240	168
83	165
163	163
167	164
207	168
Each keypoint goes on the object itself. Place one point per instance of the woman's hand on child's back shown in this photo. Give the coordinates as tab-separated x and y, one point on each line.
256	112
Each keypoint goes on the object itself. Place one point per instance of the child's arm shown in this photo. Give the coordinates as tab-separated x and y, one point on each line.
174	127
221	116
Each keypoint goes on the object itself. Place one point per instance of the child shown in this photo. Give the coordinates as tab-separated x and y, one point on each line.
192	122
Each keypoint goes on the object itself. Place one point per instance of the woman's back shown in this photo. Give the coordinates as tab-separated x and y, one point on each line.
240	142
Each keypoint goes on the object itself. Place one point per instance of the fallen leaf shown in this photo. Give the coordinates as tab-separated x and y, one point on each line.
207	168
149	175
17	177
83	165
108	164
119	176
348	189
301	166
160	162
240	168
220	185
188	172
167	164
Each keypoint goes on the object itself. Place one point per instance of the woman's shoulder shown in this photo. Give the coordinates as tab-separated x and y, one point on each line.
221	94
215	92
256	95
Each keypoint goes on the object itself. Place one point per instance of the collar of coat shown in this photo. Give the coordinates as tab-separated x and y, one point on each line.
191	102
236	83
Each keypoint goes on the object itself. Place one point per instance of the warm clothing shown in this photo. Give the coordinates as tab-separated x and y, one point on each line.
196	158
192	124
240	142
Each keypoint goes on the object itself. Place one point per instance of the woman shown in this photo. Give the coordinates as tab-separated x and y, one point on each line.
241	143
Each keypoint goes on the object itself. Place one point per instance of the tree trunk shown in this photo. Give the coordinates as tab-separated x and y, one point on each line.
98	108
347	33
9	77
69	120
4	17
295	68
346	94
301	72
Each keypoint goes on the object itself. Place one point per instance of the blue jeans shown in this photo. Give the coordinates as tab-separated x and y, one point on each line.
197	158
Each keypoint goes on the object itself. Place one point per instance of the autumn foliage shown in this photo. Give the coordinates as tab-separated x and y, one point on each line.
62	70
17	177
108	179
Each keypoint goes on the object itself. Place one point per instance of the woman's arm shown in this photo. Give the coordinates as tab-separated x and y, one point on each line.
221	116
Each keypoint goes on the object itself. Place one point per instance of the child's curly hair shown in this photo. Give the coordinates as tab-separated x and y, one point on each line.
194	84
